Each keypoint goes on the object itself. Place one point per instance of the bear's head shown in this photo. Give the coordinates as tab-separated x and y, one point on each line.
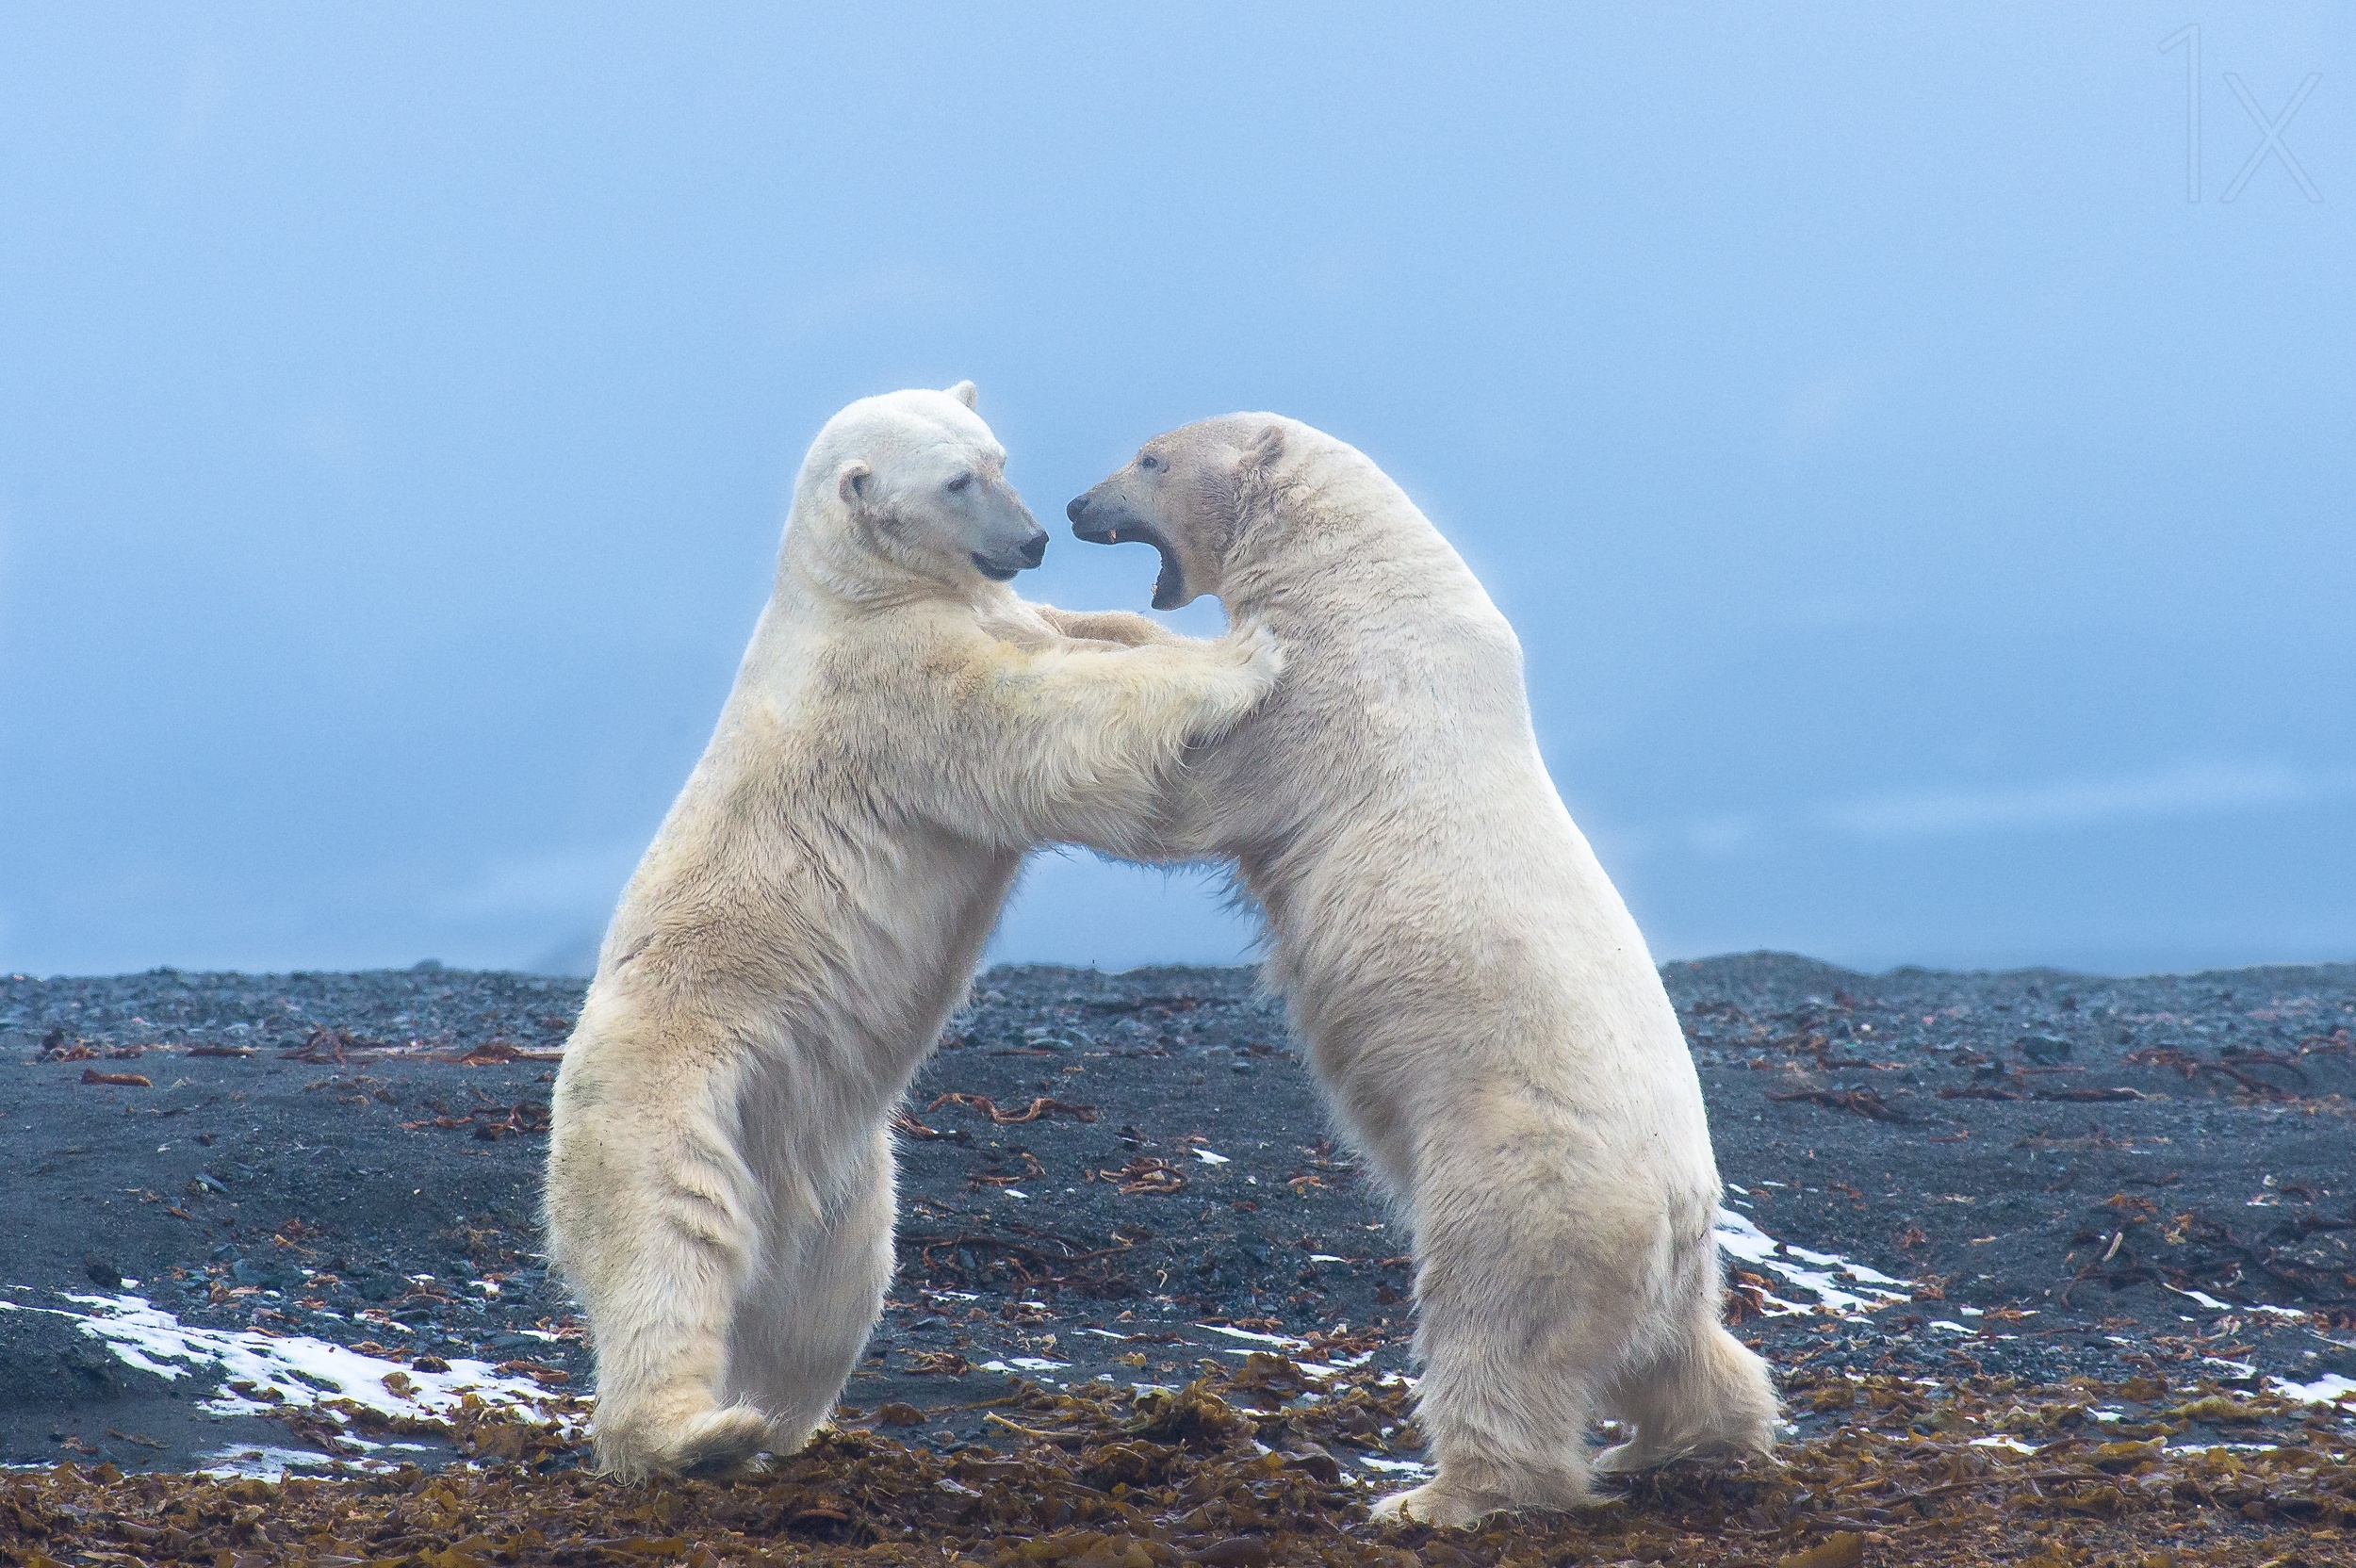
1186	493
909	490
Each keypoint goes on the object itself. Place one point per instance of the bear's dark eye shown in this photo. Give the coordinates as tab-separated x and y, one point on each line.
1148	461
960	483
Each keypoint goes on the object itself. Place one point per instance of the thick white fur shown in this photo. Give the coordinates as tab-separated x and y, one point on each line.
719	1179
1478	1003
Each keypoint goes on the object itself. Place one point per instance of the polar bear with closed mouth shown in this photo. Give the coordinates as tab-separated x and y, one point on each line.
901	729
1478	1006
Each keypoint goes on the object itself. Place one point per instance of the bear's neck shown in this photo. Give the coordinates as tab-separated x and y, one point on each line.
823	571
1333	563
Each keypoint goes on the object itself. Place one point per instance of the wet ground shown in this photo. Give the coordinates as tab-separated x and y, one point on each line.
234	1198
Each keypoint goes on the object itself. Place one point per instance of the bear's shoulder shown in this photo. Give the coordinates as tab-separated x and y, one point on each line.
896	656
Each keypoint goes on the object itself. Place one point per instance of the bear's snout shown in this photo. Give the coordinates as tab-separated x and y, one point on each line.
1098	524
1034	548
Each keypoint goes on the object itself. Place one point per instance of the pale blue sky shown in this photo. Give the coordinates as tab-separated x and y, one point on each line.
1933	535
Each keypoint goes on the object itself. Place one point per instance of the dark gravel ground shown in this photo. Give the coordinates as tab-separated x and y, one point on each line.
2072	1176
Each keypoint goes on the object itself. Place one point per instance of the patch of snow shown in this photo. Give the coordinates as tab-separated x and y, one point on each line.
2205	1299
303	1370
263	1463
1857	1271
1336	1365
2329	1389
1209	1158
1278	1340
1739	1236
2005	1440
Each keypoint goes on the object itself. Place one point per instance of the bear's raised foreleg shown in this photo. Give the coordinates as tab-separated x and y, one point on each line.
1075	743
1107	625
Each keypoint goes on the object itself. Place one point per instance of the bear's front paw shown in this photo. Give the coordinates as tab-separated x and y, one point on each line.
1258	660
1261	654
1231	678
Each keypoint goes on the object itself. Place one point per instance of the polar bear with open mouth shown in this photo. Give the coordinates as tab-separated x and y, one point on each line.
1478	1003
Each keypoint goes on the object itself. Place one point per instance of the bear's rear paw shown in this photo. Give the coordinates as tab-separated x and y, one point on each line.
720	1442
1434	1504
1468	1491
709	1443
1622	1459
1448	1507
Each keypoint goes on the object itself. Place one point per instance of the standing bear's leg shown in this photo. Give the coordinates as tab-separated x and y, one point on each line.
653	1214
1705	1393
816	1298
1528	1292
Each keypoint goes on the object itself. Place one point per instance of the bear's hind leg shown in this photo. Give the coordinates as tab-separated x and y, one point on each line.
1516	1325
806	1320
1708	1396
652	1218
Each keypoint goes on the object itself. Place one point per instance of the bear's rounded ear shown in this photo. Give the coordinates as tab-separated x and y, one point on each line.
850	483
1265	448
965	392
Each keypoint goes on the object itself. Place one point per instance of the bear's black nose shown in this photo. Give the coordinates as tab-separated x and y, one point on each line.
1078	506
1034	549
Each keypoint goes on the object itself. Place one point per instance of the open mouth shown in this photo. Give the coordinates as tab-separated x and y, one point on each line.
1169	583
994	570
